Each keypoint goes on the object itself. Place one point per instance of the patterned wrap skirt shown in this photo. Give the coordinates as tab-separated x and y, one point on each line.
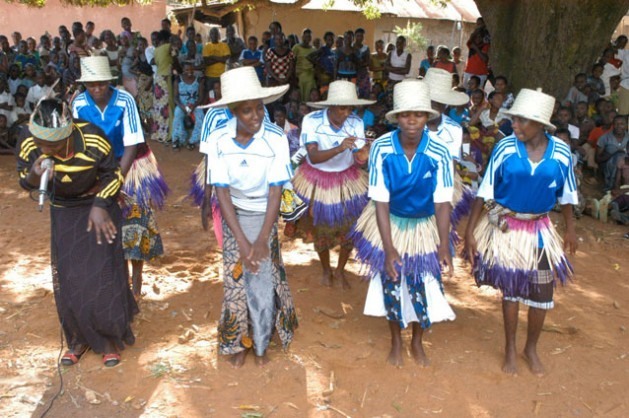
90	282
417	296
254	305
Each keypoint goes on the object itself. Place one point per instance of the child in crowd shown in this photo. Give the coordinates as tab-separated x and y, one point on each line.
21	111
578	92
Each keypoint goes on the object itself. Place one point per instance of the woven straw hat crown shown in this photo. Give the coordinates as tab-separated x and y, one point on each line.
95	69
241	84
341	93
411	96
534	105
441	90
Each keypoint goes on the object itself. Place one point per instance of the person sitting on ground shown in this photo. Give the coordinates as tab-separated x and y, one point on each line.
473	84
577	92
6	147
612	150
564	117
501	85
38	90
493	116
24	57
595	81
21	111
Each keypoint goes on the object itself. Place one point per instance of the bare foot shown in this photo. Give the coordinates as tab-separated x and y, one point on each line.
395	356
262	360
417	351
238	360
340	275
326	279
510	364
535	364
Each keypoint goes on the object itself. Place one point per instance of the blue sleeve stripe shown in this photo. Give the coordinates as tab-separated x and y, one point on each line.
222	185
278	183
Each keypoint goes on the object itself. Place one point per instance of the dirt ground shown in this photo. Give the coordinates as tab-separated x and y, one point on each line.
336	364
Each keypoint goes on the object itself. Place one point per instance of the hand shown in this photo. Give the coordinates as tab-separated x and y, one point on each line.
392	264
102	224
348	143
570	241
39	170
471	247
206	212
259	252
245	250
445	257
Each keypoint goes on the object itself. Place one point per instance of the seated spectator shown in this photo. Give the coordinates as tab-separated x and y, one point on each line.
21	111
444	62
564	117
470	165
477	101
619	207
494	115
595	82
612	149
590	146
37	91
252	56
580	113
30	73
501	85
23	56
6	148
577	92
459	63
460	114
367	117
215	94
473	84
14	79
6	99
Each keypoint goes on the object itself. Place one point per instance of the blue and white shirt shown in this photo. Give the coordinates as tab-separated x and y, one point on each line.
249	170
450	133
522	186
316	129
410	187
120	120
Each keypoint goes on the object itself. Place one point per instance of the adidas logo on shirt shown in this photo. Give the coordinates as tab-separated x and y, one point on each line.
66	179
553	185
428	175
244	163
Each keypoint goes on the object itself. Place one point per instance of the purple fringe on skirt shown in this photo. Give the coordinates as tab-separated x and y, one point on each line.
416	266
197	190
151	193
514	283
337	214
463	207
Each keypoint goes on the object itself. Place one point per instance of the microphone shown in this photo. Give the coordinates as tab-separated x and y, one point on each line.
46	165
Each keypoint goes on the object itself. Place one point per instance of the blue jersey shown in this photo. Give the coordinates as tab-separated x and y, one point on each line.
120	120
215	118
522	186
411	187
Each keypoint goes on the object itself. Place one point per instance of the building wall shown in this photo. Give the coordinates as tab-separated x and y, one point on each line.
436	32
35	22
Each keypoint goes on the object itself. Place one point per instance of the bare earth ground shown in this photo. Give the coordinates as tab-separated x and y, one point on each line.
337	360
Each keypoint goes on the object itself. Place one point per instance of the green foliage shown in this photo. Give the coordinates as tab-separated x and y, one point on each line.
413	34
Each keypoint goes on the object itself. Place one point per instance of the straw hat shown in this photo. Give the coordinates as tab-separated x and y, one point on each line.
95	69
341	93
241	84
411	96
441	90
534	105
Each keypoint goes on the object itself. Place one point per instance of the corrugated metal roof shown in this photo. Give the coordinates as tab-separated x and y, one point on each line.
463	10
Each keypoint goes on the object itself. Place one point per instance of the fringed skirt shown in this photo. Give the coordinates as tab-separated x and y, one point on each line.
90	281
143	191
462	200
335	201
522	261
418	295
197	194
254	305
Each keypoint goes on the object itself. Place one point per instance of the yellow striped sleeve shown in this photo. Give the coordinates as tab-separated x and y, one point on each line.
113	187
28	145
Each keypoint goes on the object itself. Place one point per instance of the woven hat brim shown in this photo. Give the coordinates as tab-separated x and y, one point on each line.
546	123
392	115
266	94
95	79
352	102
450	98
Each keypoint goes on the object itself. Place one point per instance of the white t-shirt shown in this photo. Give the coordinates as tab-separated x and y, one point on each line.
487	121
35	93
17	111
249	170
149	53
623	55
6	98
450	134
316	129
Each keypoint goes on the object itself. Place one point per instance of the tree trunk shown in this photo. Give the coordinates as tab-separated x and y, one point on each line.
545	43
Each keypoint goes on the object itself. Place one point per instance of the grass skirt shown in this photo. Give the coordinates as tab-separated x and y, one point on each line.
508	260
334	199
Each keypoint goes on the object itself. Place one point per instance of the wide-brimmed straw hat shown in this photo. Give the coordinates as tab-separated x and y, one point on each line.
534	105
341	93
411	96
241	84
441	90
95	69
